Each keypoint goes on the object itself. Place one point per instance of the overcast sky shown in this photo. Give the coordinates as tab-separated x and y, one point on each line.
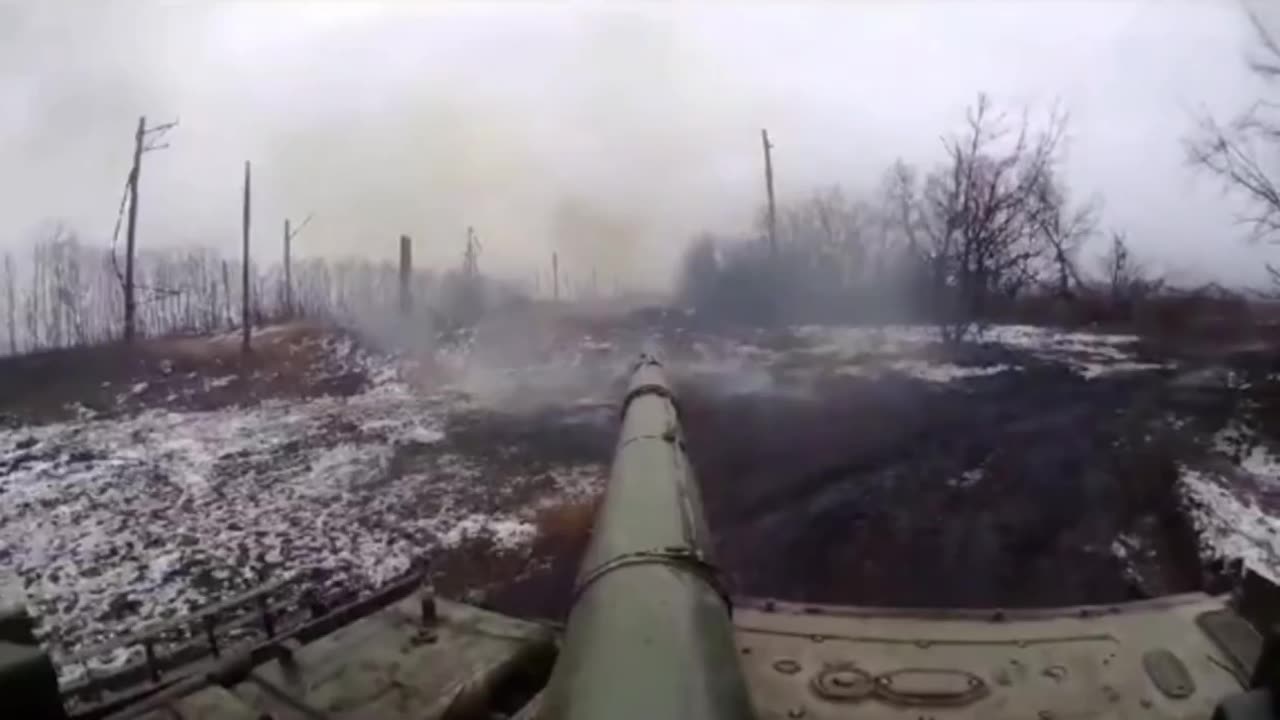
611	133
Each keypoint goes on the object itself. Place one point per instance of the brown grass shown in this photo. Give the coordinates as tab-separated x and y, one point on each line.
567	523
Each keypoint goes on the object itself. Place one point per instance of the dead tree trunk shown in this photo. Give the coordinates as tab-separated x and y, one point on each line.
555	276
768	185
406	271
244	270
130	301
140	147
228	316
288	276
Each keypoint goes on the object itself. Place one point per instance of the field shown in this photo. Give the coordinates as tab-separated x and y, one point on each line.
838	464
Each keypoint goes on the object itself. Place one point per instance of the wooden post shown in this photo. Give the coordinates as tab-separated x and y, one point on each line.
768	184
555	275
471	259
406	271
288	277
227	316
244	270
130	304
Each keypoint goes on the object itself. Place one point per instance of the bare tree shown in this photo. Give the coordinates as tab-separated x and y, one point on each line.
66	301
1065	230
1126	278
824	235
246	324
31	309
1118	268
902	231
983	212
289	235
1242	152
68	294
142	143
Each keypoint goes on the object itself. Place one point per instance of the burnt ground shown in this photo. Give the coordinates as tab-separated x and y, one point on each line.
1008	487
291	362
1007	491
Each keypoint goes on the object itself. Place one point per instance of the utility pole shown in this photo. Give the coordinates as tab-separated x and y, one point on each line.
768	184
244	270
140	146
555	276
406	271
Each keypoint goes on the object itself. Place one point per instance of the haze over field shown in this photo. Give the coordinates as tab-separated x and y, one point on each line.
611	134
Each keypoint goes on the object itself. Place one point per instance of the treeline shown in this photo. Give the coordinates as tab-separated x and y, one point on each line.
993	221
64	293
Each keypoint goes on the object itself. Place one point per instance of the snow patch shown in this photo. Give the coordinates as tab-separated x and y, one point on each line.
1090	370
111	524
922	370
504	531
967	479
1250	451
945	372
1090	354
221	382
1231	525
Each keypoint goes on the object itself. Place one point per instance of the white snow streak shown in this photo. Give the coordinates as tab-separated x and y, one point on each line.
1231	525
870	352
111	524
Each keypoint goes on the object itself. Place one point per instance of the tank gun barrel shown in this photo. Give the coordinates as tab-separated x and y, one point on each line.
649	634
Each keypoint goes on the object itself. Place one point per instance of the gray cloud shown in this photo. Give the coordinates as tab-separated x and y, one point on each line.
607	133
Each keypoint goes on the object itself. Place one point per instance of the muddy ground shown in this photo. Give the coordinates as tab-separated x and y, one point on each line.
839	465
1039	475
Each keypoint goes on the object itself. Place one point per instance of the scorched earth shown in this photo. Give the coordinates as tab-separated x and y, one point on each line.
170	487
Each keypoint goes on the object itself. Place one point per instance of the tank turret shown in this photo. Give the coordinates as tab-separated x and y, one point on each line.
649	634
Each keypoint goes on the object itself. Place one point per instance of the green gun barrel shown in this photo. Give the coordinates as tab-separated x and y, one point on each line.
649	634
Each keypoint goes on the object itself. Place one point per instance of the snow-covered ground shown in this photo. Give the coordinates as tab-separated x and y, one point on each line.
1236	510
1232	523
110	523
113	522
1236	507
915	351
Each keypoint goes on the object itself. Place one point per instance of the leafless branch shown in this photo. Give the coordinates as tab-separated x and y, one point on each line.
294	232
1266	64
1235	153
164	127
